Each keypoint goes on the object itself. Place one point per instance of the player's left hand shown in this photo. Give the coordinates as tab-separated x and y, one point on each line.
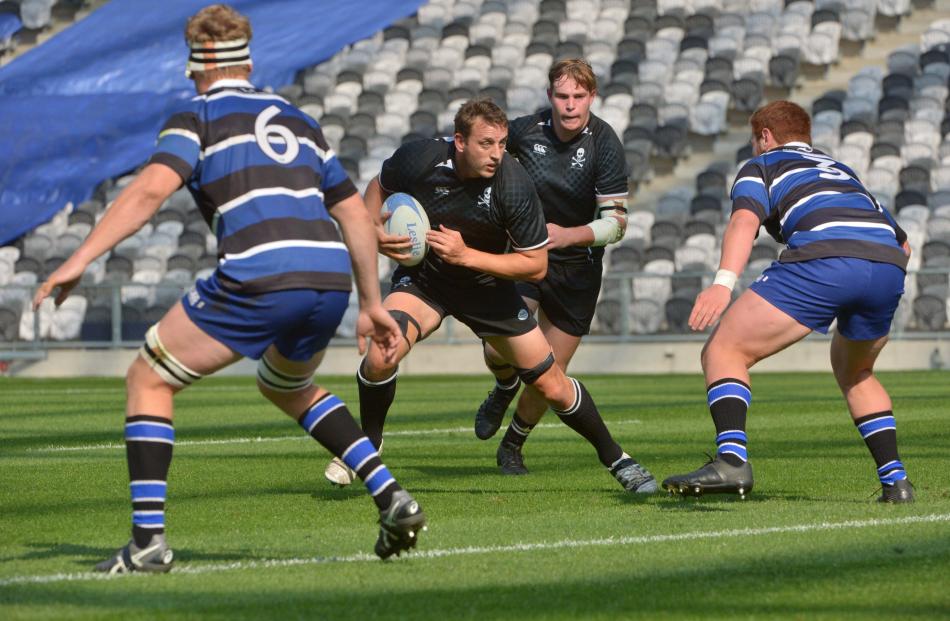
448	244
66	277
378	325
906	247
709	306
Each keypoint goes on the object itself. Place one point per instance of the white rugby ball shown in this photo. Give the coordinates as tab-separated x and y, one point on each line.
408	219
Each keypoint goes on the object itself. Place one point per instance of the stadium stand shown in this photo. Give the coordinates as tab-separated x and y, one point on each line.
677	78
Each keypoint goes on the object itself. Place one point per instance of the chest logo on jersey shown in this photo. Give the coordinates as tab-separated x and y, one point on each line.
540	149
441	191
484	201
579	159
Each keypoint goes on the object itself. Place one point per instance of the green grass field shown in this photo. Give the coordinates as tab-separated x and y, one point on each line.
259	534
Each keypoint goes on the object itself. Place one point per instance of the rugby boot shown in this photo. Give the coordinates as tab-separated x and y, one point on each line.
492	411
156	557
399	525
715	477
634	477
509	459
898	492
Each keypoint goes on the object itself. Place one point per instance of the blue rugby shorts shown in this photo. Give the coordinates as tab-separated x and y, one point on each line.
862	295
300	322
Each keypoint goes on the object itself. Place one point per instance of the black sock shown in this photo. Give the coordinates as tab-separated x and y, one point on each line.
517	432
375	400
729	401
880	434
508	386
584	418
148	449
330	423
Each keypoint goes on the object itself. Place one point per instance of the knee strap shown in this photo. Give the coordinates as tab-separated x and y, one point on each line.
530	376
173	372
279	381
404	319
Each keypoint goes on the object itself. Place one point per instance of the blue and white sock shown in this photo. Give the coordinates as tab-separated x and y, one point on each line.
729	400
330	423
880	434
149	441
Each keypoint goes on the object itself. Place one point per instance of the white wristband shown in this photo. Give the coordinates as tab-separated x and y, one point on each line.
726	278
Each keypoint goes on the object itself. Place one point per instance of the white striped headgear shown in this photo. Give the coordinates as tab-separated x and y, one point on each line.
208	55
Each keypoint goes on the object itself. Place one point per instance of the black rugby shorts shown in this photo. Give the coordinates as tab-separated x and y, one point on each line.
567	295
494	309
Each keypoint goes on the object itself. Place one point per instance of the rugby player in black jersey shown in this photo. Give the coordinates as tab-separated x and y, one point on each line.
578	167
480	202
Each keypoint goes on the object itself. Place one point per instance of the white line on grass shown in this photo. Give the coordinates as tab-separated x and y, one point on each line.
518	547
54	391
180	443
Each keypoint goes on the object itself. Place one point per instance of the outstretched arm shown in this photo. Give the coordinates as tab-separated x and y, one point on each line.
736	248
137	203
359	234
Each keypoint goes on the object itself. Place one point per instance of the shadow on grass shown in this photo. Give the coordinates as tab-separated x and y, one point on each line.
87	556
837	581
718	502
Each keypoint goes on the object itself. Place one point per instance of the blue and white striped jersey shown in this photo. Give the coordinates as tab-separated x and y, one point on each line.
817	207
264	178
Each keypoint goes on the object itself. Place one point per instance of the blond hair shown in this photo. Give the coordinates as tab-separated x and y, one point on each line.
577	69
219	22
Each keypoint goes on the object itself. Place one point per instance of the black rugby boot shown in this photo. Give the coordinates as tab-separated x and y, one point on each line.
715	477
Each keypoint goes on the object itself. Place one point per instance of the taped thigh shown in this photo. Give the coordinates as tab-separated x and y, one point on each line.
279	381
403	319
172	372
530	376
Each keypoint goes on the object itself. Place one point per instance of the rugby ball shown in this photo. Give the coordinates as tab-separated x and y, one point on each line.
407	219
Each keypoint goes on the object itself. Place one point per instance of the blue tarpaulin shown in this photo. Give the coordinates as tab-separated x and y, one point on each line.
86	105
10	24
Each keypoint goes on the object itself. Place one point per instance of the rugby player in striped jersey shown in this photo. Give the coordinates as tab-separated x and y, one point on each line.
845	260
270	188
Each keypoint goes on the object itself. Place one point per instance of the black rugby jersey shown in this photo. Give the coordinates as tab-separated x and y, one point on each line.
493	215
817	207
570	176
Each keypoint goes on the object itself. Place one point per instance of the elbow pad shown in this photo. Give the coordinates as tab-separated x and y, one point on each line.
606	228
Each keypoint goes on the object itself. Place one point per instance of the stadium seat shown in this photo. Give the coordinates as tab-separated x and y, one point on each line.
624	259
608	314
646	315
677	314
9	323
930	312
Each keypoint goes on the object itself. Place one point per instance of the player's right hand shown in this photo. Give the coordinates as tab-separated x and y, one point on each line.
709	306
393	246
375	322
66	277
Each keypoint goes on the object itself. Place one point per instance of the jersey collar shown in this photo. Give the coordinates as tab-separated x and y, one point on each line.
229	83
791	145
